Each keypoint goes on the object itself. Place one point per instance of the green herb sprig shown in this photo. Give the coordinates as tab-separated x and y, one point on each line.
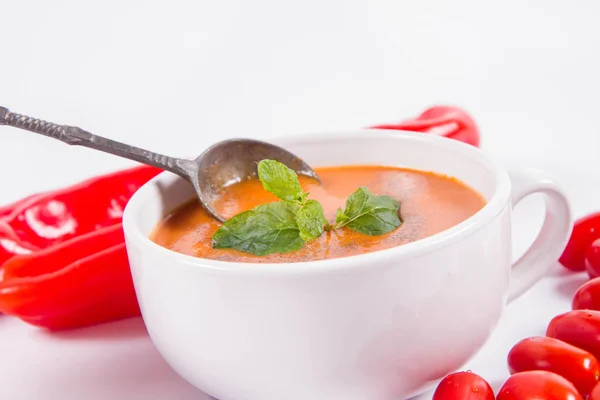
286	225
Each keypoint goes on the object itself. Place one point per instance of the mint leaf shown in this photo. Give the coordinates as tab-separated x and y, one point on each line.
311	220
369	214
340	217
281	227
280	180
266	229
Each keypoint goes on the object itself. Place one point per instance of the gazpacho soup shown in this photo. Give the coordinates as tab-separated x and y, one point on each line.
282	217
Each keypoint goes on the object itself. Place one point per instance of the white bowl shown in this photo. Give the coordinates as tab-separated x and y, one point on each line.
379	326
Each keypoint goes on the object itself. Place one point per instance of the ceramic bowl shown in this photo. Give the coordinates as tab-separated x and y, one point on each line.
378	326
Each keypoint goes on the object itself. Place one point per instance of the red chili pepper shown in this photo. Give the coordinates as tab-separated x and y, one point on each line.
537	385
82	281
464	386
585	231
549	354
448	121
592	259
580	328
587	297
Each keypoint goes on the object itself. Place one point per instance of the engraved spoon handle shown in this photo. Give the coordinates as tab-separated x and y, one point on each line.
75	136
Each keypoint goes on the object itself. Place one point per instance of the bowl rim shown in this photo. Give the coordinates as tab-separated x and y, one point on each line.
468	227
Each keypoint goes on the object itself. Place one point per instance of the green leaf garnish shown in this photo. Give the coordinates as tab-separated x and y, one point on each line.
280	180
311	220
340	218
285	226
369	214
266	229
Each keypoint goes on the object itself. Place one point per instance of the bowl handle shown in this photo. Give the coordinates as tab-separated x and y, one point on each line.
552	238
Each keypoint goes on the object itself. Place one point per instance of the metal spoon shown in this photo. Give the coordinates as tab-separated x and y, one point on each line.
222	164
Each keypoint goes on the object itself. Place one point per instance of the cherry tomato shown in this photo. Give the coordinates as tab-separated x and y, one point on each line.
537	385
592	259
464	386
585	231
580	328
545	353
595	394
587	297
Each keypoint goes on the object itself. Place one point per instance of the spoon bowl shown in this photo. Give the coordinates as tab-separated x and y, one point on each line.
223	164
232	161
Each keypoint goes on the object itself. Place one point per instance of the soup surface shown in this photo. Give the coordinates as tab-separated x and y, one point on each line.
429	203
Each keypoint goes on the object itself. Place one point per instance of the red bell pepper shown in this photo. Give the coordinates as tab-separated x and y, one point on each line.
448	121
46	219
62	253
60	215
82	281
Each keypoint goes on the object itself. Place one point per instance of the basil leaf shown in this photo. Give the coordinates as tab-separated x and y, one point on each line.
267	229
370	214
280	180
311	220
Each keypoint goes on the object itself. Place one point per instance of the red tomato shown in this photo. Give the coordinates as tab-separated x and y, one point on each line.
587	297
545	353
464	386
585	231
537	385
592	259
580	328
595	394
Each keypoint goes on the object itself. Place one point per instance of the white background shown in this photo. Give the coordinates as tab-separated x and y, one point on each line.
177	76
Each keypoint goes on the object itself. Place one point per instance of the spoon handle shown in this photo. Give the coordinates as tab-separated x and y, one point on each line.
75	136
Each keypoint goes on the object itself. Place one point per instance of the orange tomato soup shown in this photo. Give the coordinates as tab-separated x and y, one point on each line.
429	203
